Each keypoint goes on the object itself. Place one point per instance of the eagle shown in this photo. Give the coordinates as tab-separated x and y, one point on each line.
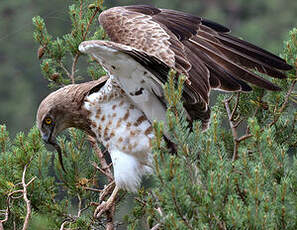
145	43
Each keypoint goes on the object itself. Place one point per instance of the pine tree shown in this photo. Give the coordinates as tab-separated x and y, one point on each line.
239	174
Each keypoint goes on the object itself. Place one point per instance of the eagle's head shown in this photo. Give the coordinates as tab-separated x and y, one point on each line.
63	109
55	113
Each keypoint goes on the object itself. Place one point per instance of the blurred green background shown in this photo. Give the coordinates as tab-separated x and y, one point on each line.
264	22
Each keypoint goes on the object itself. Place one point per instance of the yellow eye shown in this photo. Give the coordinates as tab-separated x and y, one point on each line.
48	121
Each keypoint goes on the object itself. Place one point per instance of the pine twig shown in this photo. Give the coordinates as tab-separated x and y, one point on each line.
71	218
64	68
242	138
234	124
235	107
106	170
156	227
284	105
79	206
233	128
73	68
25	196
110	177
6	214
92	189
75	59
63	224
104	166
179	211
90	22
159	210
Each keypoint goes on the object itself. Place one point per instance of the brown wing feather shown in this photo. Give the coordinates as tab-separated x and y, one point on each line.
239	57
201	49
236	70
136	26
139	31
254	51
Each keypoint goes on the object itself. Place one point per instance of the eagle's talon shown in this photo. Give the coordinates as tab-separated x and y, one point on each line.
106	205
103	207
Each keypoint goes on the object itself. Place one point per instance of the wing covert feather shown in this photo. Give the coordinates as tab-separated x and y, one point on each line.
202	50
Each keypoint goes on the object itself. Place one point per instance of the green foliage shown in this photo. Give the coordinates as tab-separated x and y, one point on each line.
55	52
53	194
206	186
13	158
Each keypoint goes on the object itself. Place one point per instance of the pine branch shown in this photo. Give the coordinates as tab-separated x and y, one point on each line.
284	105
25	195
156	227
232	126
6	214
73	68
179	212
85	33
73	219
105	169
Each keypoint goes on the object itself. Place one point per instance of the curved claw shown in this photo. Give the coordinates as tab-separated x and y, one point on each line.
102	208
106	206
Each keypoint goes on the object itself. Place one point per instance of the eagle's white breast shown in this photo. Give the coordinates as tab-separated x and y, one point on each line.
125	131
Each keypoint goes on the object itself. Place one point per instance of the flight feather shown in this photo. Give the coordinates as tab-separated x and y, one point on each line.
198	48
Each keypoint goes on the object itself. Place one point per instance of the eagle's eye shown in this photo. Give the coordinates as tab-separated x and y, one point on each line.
48	121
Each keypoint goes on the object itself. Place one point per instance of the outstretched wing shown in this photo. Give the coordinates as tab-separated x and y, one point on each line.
200	49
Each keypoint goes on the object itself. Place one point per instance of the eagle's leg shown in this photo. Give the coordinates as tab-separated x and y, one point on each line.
104	206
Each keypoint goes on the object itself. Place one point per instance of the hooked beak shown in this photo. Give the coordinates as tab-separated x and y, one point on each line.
49	139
